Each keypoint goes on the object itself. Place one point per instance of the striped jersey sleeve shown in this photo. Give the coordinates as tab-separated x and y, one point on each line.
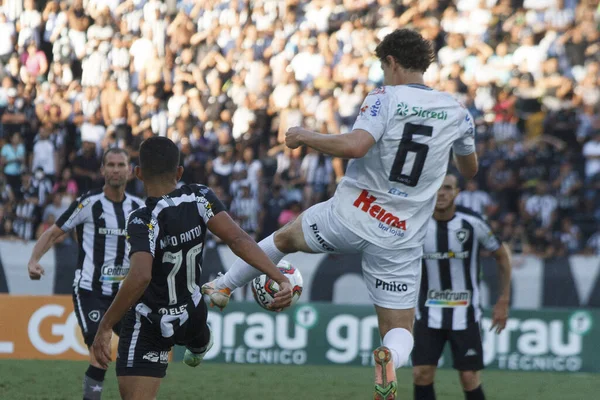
78	212
209	204
142	232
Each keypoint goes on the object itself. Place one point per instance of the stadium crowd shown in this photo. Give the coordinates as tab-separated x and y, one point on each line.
224	79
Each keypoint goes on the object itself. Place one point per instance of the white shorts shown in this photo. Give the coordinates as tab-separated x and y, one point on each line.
392	277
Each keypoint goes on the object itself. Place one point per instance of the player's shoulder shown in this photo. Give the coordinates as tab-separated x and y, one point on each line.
140	216
134	199
469	214
89	197
197	188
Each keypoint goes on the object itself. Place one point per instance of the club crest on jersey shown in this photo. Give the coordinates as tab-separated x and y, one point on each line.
94	315
462	235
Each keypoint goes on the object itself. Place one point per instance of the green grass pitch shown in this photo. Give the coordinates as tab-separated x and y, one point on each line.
58	380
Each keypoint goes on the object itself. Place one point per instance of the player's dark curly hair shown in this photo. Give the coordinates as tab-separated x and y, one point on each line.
159	156
409	49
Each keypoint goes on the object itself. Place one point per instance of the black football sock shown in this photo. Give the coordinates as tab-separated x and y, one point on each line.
93	382
475	394
424	392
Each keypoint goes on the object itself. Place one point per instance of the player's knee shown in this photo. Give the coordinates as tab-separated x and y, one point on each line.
285	239
469	380
423	375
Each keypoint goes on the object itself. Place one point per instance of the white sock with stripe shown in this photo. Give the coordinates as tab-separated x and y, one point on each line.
400	342
241	272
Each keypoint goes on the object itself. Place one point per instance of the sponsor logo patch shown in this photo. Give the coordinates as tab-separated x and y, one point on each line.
151	356
391	286
136	221
322	242
376	108
448	298
404	110
113	273
388	221
461	255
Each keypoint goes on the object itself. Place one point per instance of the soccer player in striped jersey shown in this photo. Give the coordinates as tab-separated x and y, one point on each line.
99	218
160	297
449	298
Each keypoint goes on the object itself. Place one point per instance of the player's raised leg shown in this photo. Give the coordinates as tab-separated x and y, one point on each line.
138	387
288	239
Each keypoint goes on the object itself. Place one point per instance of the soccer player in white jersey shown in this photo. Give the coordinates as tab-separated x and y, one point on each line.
400	147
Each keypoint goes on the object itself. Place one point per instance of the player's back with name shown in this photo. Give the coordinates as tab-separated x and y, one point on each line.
173	228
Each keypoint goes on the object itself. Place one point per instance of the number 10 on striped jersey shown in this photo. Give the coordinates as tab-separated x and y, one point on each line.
176	259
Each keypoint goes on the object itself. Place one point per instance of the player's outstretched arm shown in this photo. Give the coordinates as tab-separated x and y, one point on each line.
350	145
500	313
43	244
133	287
243	246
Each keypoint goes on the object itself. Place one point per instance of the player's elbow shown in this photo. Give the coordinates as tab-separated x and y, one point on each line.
355	152
470	172
467	165
359	144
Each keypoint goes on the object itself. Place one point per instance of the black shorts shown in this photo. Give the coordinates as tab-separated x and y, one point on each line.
147	338
89	308
467	350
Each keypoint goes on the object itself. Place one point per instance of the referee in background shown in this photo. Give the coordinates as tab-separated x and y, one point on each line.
99	216
449	299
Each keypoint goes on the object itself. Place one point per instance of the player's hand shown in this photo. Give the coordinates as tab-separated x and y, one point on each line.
500	315
294	136
101	346
35	270
283	298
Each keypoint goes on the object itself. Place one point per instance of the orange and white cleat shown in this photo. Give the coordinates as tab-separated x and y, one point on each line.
386	385
218	297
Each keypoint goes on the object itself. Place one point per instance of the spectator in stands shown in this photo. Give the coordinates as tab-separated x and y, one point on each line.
475	199
222	78
13	160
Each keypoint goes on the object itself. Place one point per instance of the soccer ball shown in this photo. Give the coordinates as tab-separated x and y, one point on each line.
264	288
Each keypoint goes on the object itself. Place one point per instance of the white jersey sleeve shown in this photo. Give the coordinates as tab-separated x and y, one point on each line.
465	144
373	116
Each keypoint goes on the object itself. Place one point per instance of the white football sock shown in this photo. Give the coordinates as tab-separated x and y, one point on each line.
241	272
400	342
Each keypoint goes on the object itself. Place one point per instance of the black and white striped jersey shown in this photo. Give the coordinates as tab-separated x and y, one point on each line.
449	297
100	224
172	228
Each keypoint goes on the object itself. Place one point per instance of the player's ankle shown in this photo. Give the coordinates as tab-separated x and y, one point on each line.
400	342
475	394
96	373
424	392
93	383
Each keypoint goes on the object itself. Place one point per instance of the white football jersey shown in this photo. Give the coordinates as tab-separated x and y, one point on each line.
388	195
